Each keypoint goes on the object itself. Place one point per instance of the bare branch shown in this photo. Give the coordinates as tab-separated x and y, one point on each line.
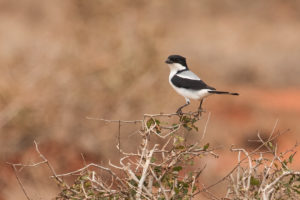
20	182
116	121
204	130
155	171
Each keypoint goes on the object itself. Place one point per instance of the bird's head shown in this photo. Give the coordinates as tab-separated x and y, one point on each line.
176	62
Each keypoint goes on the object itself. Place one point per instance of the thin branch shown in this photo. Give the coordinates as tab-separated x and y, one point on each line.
171	114
273	130
47	162
145	169
86	167
20	182
286	173
116	121
204	130
160	184
119	137
231	171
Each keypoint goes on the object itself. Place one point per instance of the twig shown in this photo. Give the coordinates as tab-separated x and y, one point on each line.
145	169
20	182
273	130
160	184
143	177
231	171
84	168
84	192
119	136
47	162
286	173
204	130
210	194
161	114
170	114
117	121
83	159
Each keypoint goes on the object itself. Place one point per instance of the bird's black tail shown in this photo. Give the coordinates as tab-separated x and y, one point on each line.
221	92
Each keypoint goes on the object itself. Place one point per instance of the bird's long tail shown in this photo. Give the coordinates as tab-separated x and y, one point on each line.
222	92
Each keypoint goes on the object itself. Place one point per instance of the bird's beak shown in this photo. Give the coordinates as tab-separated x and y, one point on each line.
168	61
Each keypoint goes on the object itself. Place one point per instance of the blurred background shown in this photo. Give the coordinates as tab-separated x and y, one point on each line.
63	61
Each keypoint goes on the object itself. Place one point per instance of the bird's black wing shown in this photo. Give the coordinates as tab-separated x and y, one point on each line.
189	83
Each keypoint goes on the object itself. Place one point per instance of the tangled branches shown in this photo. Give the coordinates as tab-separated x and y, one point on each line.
155	171
165	169
264	175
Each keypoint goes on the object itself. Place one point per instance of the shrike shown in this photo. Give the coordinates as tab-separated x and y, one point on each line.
188	84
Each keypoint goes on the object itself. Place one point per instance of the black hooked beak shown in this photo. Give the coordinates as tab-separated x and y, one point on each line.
168	61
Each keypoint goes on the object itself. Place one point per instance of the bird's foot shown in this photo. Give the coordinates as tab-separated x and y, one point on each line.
179	112
200	111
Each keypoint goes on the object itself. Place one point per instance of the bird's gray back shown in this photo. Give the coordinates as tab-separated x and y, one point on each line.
188	74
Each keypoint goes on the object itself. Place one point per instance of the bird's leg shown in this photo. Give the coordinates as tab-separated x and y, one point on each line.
200	107
179	112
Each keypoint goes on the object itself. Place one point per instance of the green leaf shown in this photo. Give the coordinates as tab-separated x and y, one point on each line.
156	184
153	160
291	157
187	126
295	190
284	164
270	145
291	179
179	147
185	191
180	139
195	127
150	122
186	185
176	190
132	182
175	126
157	169
185	119
188	123
85	177
191	162
157	121
133	192
254	181
194	189
177	168
205	147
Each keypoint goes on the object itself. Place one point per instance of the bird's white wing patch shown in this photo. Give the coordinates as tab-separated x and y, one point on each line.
189	75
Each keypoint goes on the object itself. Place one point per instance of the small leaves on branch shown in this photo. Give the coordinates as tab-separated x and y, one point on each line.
167	168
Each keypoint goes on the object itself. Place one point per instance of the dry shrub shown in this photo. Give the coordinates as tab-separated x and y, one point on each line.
163	167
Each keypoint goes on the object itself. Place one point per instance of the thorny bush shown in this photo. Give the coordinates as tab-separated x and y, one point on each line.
166	170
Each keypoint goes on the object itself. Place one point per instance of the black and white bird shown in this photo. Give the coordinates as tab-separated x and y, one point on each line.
188	84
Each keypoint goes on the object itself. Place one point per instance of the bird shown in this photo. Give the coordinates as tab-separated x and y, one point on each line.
188	84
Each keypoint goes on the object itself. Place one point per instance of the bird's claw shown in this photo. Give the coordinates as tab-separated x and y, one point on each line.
179	112
200	111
